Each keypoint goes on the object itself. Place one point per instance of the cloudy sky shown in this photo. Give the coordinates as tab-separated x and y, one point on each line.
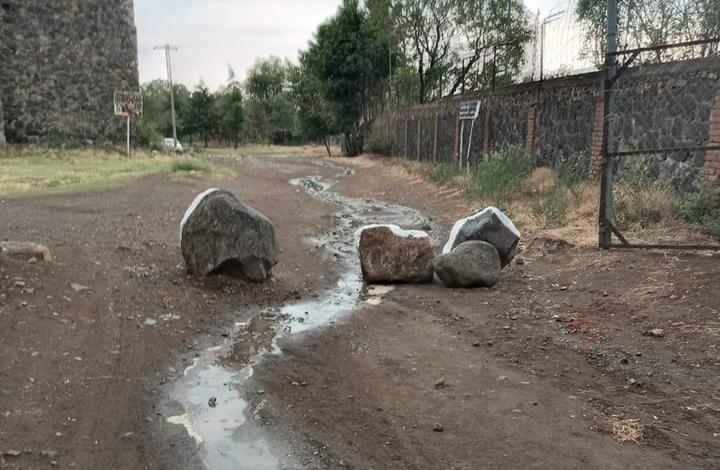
213	34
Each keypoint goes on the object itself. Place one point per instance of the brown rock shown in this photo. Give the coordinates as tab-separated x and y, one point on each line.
390	255
26	249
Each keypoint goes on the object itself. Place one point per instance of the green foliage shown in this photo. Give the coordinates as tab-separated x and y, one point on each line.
442	174
156	122
233	114
701	209
272	110
188	166
347	63
202	114
499	176
641	201
380	144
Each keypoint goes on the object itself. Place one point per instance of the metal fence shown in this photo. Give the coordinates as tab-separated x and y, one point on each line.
658	137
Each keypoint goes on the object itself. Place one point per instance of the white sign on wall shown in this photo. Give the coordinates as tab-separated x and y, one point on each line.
469	110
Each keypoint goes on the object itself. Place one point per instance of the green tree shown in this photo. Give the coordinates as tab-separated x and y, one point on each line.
315	114
233	114
271	112
202	113
346	60
156	121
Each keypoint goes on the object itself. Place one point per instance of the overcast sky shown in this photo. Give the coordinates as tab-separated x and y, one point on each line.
214	33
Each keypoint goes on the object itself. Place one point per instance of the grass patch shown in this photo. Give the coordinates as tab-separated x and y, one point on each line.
699	209
442	174
36	170
259	150
496	179
189	166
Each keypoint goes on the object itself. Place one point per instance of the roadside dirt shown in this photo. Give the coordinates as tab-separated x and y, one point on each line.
531	374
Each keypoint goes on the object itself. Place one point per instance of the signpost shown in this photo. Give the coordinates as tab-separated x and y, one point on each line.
469	111
128	104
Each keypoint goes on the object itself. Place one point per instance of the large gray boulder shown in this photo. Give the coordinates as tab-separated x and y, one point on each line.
490	225
221	235
470	264
389	254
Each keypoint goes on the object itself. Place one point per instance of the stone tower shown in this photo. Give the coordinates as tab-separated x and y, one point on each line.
60	62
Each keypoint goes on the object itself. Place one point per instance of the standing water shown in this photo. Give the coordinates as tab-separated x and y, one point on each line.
216	413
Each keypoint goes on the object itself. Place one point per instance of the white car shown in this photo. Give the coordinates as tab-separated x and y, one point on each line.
171	144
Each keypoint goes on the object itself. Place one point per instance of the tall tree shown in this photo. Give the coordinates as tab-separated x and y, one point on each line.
494	30
271	114
346	60
202	113
430	27
233	114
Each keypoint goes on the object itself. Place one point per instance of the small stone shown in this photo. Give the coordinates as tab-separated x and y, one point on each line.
212	403
79	287
12	453
49	454
437	427
520	261
654	333
440	383
261	392
150	322
476	344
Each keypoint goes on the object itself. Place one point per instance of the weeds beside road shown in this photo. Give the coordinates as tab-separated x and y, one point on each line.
557	197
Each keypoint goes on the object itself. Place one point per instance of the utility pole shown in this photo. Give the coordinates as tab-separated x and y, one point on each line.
608	173
167	48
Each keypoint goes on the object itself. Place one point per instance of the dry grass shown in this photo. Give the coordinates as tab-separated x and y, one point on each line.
258	150
35	170
625	430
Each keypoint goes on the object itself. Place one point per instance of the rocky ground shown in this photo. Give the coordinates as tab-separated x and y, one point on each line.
574	351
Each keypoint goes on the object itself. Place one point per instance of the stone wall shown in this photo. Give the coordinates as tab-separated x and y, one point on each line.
560	121
60	62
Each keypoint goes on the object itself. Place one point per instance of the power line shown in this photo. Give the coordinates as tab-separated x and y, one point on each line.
167	48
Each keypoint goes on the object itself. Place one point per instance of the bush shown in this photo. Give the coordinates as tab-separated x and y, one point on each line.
642	201
497	178
555	192
443	173
380	144
187	166
698	208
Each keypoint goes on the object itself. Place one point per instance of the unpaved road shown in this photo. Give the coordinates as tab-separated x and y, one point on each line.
530	374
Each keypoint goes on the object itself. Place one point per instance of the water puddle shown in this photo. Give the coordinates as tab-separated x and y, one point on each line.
216	413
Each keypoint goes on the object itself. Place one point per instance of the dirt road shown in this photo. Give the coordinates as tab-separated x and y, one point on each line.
541	372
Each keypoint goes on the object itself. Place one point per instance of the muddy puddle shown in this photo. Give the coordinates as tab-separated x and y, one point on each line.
212	392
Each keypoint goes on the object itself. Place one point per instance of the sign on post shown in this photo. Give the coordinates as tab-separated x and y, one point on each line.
130	105
469	111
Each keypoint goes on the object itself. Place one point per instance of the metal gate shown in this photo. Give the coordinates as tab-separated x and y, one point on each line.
657	127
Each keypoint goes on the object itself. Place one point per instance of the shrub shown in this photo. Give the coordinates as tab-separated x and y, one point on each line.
187	166
497	178
698	208
380	144
642	201
443	173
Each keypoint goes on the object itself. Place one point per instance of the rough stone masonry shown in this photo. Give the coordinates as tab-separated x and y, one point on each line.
60	63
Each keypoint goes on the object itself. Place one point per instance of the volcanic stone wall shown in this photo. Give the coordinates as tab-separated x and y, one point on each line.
60	63
560	122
